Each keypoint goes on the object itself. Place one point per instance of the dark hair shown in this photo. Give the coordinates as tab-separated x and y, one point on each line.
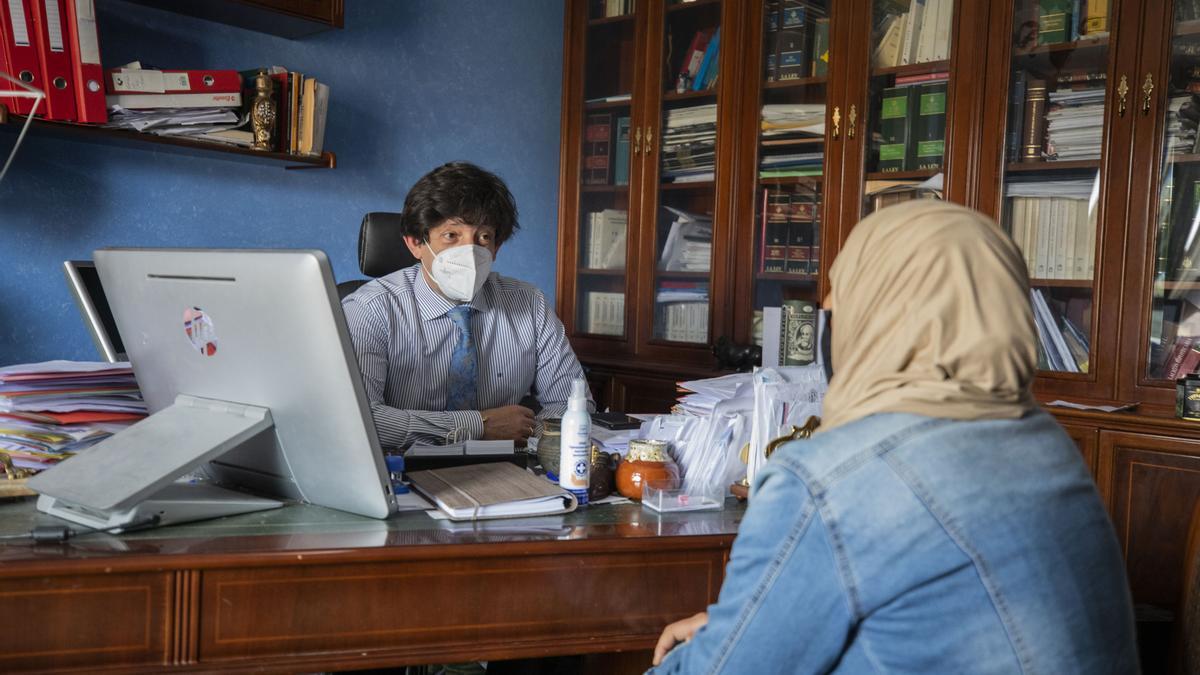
459	190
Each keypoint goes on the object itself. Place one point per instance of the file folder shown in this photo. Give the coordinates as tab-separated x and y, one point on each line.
84	42
50	37
20	52
146	81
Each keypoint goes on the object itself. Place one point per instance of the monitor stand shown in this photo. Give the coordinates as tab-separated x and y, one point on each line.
129	478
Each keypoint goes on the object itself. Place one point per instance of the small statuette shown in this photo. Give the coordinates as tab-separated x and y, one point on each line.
262	113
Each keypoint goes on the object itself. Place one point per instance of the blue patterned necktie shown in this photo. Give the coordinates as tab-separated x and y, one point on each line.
464	366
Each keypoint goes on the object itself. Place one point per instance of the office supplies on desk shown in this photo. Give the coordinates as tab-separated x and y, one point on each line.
615	421
496	490
58	74
419	457
264	397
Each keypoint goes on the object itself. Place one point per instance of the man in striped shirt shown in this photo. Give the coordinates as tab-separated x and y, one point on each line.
448	348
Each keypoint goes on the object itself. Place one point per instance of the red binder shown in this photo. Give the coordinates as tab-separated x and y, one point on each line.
84	43
124	81
50	36
20	51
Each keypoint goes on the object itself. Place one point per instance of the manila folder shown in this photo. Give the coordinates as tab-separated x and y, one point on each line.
494	490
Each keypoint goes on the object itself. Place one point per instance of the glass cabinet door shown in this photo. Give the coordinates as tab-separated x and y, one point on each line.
685	198
1174	334
1054	146
793	74
603	239
906	100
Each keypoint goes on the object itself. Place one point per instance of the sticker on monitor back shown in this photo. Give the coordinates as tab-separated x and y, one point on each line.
199	329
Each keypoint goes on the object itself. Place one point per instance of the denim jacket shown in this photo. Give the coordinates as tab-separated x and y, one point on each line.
903	543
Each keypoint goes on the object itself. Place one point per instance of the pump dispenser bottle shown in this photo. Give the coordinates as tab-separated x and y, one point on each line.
574	460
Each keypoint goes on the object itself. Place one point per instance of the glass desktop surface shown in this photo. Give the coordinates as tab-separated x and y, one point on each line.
300	527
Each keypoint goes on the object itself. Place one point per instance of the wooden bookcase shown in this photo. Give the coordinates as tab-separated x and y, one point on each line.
1129	309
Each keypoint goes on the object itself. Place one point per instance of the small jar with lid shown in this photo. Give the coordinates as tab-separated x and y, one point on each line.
646	460
548	445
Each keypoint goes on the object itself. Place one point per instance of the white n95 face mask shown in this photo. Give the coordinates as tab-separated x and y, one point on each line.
460	271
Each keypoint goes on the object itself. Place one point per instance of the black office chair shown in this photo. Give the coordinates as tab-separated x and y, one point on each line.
381	249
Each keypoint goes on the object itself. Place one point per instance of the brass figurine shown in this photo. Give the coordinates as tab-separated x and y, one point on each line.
263	113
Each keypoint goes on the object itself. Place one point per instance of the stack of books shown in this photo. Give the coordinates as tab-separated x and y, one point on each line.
50	411
1075	124
689	144
792	137
919	35
606	239
1054	224
688	247
1062	344
605	313
681	311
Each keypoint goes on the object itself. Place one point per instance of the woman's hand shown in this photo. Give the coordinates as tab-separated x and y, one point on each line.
680	631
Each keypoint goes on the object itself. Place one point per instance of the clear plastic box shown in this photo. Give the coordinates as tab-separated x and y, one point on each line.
667	496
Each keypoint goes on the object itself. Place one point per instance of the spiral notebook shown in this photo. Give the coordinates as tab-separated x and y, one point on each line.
495	490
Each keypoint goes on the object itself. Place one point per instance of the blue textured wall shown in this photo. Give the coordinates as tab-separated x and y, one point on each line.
413	84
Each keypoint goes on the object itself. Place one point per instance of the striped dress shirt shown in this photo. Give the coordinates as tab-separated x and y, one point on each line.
404	339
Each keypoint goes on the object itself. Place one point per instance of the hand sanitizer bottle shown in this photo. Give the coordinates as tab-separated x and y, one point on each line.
574	458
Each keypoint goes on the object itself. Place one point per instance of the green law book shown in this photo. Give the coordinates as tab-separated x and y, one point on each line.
895	128
820	48
929	127
1054	21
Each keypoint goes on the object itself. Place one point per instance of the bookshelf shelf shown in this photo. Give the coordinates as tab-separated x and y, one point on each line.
1186	158
1177	286
604	188
913	69
607	105
1073	165
682	275
670	96
681	6
902	175
792	180
1078	45
1061	283
593	272
609	20
798	82
697	185
123	138
784	276
1187	28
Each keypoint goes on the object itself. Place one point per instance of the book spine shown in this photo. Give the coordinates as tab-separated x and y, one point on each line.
1033	129
771	40
929	144
621	154
597	136
776	251
894	128
1054	19
820	50
792	56
1016	105
1097	17
912	32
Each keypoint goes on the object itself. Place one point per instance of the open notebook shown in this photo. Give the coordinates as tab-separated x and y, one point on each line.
496	490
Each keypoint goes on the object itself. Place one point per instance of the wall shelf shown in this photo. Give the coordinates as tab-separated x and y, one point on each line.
120	137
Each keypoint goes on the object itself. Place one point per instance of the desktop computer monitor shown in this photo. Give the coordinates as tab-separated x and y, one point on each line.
246	365
84	282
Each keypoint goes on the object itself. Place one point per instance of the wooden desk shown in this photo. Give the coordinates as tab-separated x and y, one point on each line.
310	588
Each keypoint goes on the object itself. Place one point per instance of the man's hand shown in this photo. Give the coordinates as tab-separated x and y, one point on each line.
680	631
512	422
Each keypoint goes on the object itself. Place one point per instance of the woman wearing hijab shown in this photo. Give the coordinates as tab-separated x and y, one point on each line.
938	521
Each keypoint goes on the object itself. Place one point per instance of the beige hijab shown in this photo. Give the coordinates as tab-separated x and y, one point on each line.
930	315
